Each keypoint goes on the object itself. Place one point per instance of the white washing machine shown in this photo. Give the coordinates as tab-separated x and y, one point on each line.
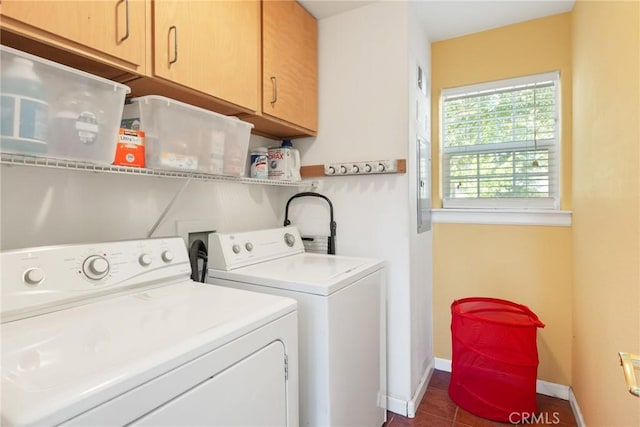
341	313
116	334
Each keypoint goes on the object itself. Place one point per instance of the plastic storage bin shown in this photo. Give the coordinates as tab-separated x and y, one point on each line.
52	110
184	137
495	358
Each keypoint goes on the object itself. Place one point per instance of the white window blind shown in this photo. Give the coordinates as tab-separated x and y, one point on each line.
500	144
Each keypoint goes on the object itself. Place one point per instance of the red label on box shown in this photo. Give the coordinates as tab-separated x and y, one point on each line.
130	148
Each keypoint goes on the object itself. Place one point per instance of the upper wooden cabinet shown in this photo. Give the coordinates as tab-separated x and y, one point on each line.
210	46
290	63
111	31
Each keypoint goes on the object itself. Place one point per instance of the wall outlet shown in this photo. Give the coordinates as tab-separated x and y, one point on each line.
194	230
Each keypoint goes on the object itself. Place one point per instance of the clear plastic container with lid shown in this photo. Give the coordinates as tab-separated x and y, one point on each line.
184	137
52	110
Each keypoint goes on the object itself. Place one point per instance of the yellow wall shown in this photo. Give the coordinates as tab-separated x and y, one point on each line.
527	264
606	199
522	264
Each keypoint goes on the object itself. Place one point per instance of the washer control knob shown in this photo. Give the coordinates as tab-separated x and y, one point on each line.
95	267
249	246
355	169
236	248
343	169
367	168
380	167
331	170
289	239
167	256
144	260
33	276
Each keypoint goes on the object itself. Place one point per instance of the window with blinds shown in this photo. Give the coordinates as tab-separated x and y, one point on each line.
500	144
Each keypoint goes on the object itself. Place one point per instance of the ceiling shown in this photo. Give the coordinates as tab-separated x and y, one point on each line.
444	19
325	8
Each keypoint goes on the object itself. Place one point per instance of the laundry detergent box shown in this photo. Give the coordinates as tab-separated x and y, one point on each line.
130	148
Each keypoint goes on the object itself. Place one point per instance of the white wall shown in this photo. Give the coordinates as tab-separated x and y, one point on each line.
364	110
41	206
420	244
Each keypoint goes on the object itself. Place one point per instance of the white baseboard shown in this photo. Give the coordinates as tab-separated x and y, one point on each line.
397	406
560	391
443	364
412	405
408	408
576	409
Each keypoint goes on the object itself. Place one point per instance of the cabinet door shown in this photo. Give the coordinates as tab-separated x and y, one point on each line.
112	27
210	46
251	392
290	63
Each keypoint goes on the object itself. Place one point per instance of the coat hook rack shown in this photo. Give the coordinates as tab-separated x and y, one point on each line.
366	167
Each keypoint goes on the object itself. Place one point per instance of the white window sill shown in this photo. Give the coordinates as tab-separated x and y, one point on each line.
546	217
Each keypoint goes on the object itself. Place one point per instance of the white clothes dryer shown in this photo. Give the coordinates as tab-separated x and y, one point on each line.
116	334
341	313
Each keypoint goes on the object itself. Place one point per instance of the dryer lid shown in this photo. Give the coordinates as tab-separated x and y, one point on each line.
57	365
307	272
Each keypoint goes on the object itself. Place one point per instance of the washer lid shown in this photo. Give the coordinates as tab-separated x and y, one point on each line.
60	364
307	272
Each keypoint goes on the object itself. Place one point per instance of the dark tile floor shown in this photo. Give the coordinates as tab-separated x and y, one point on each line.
438	410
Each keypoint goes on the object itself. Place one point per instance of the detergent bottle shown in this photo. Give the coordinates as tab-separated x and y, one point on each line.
294	164
25	118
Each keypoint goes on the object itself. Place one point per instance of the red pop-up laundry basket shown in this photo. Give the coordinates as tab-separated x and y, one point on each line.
495	358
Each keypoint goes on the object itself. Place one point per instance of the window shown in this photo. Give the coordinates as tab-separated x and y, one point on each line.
500	144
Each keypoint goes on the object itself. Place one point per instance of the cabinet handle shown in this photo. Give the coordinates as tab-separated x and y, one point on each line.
274	80
126	8
629	361
175	44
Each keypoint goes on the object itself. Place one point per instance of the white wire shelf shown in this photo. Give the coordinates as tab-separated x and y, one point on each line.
23	160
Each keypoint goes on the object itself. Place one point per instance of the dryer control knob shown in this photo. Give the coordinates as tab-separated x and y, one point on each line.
144	260
33	276
289	239
249	246
167	256
95	267
236	248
